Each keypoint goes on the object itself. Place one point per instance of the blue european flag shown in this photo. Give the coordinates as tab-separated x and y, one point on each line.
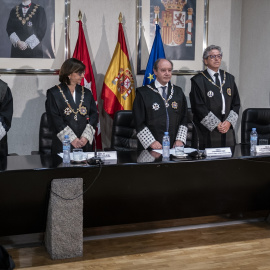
157	51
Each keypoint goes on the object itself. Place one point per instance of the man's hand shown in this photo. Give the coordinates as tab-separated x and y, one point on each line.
224	127
156	145
178	143
83	141
76	143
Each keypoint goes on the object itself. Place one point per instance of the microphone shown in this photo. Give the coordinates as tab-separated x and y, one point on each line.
95	160
196	154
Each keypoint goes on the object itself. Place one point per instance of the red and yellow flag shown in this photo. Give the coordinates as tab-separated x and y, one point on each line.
81	53
118	91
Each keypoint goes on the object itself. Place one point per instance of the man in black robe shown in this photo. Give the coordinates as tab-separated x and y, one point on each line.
6	112
215	102
26	28
160	107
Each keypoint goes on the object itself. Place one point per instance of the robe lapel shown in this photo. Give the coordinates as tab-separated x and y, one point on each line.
78	96
69	96
208	75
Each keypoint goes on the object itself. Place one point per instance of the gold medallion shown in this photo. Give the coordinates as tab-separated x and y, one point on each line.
174	105
229	91
83	110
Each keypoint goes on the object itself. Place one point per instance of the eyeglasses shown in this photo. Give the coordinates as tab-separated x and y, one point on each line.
212	56
81	73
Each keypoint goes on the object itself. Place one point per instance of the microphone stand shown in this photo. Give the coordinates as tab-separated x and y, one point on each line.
196	154
95	160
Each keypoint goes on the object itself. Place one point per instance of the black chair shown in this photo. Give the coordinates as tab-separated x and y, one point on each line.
45	136
258	118
124	136
190	128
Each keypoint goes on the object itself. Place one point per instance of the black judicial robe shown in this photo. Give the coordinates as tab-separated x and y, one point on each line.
6	112
58	120
35	25
206	101
149	111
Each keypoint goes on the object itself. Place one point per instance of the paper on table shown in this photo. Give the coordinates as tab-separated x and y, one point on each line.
108	155
172	150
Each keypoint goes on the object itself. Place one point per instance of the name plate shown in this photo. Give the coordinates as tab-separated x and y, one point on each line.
218	152
262	149
107	155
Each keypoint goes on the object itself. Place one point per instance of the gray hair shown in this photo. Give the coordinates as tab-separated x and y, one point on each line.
155	66
209	49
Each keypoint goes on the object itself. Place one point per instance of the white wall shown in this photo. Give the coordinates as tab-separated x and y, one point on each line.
233	24
255	54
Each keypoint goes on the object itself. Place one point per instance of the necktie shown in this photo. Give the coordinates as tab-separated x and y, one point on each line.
164	95
217	79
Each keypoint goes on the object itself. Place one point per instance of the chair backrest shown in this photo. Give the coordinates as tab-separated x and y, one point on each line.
124	136
45	135
190	128
258	118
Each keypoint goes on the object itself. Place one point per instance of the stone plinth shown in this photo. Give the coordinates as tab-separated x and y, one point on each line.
64	231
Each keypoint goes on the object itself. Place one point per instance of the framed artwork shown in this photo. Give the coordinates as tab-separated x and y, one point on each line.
184	32
35	37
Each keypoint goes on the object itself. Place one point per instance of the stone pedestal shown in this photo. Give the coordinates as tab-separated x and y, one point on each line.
64	231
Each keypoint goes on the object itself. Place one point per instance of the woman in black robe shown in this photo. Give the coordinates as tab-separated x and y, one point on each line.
68	106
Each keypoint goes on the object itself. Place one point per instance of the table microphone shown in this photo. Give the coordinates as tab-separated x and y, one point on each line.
197	154
95	160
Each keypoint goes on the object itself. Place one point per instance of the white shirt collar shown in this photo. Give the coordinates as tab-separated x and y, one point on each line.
212	72
26	3
158	84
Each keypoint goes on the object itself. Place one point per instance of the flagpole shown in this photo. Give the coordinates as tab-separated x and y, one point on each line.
120	18
67	24
80	15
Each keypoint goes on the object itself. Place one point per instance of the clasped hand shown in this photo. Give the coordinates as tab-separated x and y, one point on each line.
22	45
79	143
223	127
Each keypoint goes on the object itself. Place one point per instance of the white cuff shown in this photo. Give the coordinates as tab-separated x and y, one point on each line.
88	133
66	131
14	39
146	137
232	118
2	131
32	41
182	134
210	121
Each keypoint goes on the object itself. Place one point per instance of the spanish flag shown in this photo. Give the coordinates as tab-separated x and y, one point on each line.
118	91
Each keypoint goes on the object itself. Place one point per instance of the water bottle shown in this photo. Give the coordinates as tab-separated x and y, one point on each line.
253	139
66	150
166	145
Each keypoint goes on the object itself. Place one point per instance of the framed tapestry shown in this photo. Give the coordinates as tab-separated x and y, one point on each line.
184	30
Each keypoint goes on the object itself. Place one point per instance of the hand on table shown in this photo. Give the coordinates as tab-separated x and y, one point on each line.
156	145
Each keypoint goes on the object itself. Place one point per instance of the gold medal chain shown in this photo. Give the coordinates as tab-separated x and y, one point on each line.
69	106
